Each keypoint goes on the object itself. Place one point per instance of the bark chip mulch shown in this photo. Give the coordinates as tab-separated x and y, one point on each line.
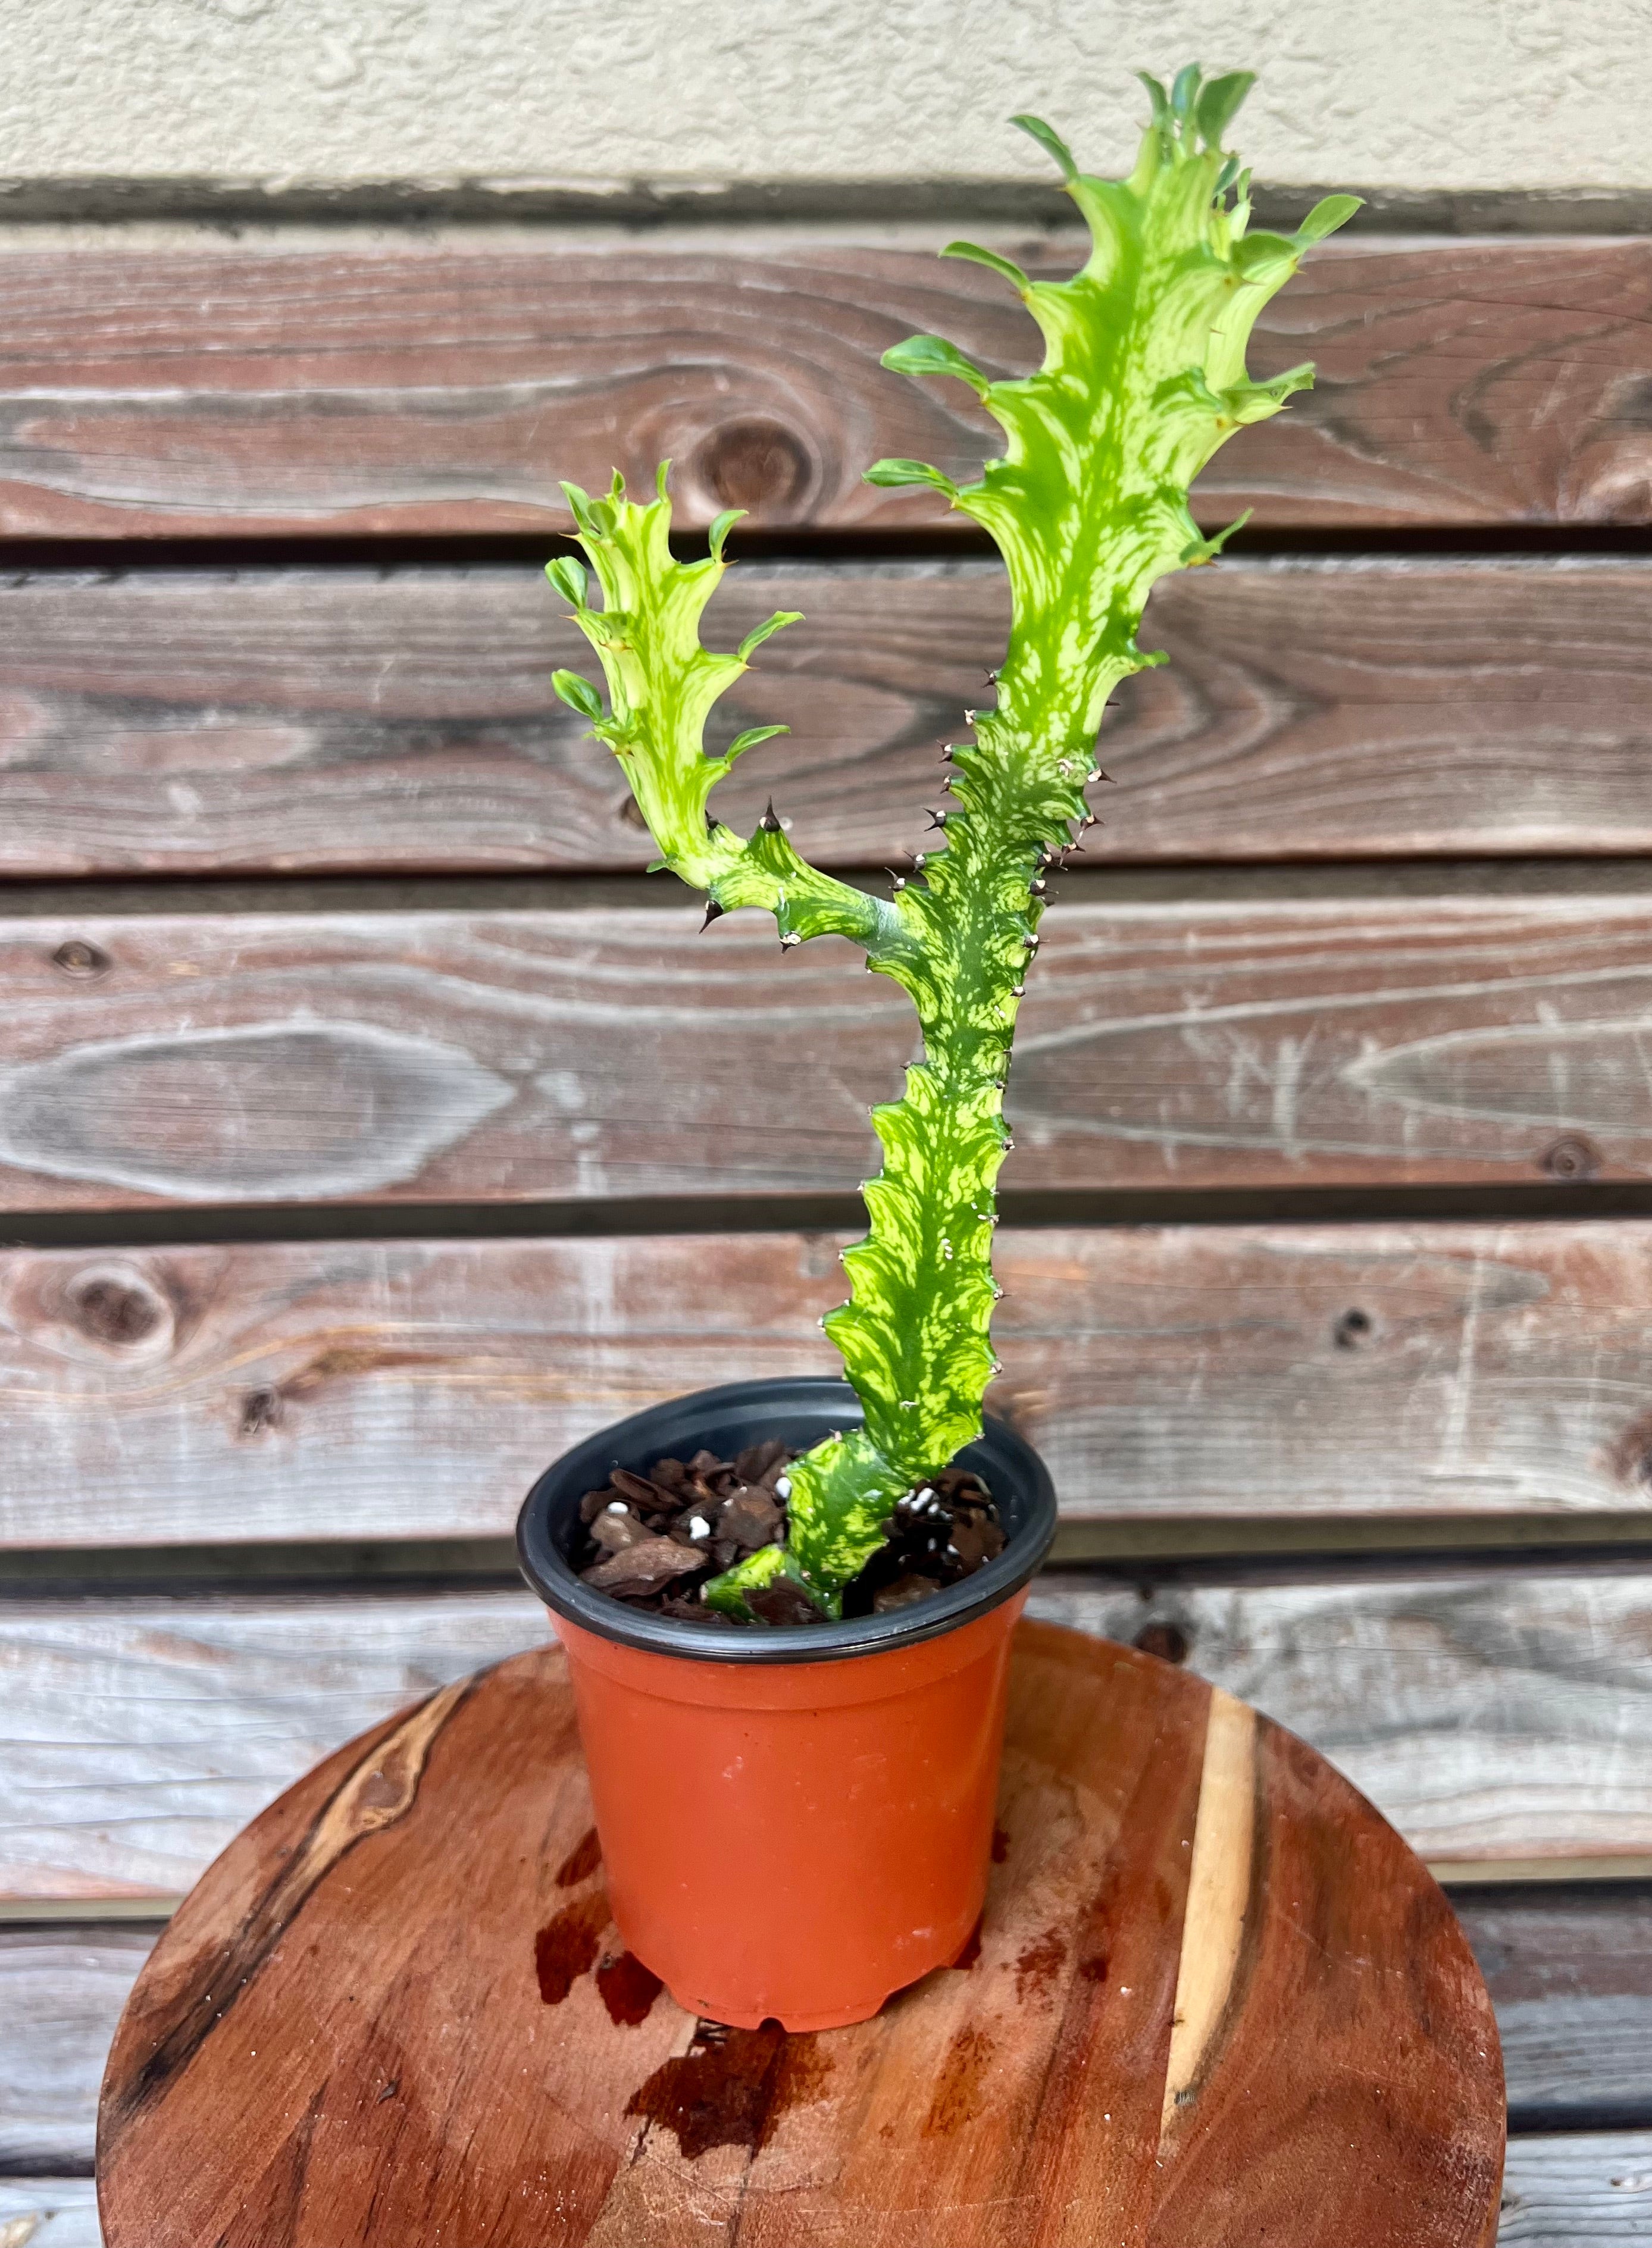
654	1540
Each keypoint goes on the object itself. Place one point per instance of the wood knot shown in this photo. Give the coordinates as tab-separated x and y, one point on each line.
260	1409
1629	1456
754	464
1167	1640
119	1309
75	957
1352	1329
1573	1155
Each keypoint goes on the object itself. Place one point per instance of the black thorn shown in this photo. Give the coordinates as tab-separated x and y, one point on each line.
770	820
936	818
713	912
992	678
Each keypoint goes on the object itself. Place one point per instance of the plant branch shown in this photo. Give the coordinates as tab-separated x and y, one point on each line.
1142	378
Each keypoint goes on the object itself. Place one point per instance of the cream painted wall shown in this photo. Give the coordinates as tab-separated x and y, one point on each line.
1402	93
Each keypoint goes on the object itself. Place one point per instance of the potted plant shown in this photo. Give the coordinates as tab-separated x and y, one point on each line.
789	1670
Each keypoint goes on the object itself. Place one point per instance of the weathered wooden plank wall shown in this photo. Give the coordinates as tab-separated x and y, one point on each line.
586	1053
302	720
1499	1719
1434	648
444	385
1227	1374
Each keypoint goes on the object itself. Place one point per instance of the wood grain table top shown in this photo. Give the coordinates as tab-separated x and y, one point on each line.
1215	2002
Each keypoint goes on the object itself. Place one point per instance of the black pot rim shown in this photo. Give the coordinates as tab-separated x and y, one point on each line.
1007	1464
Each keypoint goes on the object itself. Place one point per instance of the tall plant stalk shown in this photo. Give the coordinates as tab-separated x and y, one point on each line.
1142	378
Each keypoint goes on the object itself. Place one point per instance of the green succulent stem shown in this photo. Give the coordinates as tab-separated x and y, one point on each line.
1142	378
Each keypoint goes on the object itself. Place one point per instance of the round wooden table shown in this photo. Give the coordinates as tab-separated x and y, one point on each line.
1213	2001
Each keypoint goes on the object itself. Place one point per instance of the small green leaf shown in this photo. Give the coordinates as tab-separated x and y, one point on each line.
1184	92
1050	141
1157	96
1259	253
1225	178
569	578
579	504
755	637
721	526
750	739
602	519
661	475
1327	216
991	260
1206	550
890	475
934	356
579	693
1220	104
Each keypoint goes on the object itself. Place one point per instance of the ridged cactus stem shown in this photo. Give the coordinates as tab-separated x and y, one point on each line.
1142	378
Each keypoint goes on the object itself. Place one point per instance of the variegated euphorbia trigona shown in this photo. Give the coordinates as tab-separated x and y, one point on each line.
1143	377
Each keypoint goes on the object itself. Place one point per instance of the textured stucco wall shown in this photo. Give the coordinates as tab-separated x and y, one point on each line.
1404	93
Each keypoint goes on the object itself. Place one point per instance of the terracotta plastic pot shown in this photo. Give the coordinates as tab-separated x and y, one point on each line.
794	1823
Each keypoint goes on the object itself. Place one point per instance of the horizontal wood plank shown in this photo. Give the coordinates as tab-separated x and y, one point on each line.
1590	2190
356	1390
61	1992
1492	1716
444	385
582	1054
137	1737
45	2212
1569	1971
1573	2191
193	721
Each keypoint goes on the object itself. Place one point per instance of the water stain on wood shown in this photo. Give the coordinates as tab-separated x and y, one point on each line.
581	1861
1039	1964
566	1948
628	1989
958	2097
732	2087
